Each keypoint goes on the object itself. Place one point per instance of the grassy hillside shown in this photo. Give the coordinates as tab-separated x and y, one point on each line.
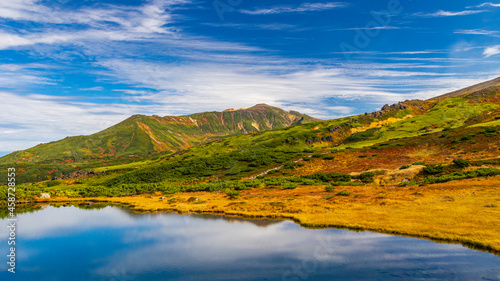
246	155
141	137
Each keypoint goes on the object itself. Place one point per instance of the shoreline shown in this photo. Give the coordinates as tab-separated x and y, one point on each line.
444	213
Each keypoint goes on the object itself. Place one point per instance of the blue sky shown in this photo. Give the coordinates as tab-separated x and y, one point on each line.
76	67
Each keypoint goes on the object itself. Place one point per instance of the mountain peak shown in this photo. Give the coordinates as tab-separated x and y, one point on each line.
140	135
260	105
233	109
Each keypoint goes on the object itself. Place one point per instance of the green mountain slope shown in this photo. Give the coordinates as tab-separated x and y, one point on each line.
142	135
406	125
481	89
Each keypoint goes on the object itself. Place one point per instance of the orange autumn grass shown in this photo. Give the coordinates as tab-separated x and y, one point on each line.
464	212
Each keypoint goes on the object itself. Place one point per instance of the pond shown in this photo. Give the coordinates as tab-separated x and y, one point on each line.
113	243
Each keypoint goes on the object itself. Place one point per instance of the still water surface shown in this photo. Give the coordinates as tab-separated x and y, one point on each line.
116	244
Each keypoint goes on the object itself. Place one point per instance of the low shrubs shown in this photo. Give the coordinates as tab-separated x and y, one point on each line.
125	190
366	177
233	172
290	185
462	163
24	192
270	182
360	136
468	137
327	177
494	161
434	169
404	167
329	188
53	183
490	131
232	188
349	183
483	172
233	194
308	182
290	165
343	193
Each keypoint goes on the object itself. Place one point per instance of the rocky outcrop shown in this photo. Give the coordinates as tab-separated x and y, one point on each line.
44	196
327	138
334	129
387	108
397	176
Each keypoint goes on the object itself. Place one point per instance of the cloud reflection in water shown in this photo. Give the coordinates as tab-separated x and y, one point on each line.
114	244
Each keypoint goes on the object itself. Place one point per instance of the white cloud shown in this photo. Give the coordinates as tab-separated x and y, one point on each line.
102	31
442	13
342	110
422	52
216	86
470	10
386	27
305	7
17	67
98	88
415	52
10	41
253	26
494	33
21	75
491	51
488	4
149	18
114	23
